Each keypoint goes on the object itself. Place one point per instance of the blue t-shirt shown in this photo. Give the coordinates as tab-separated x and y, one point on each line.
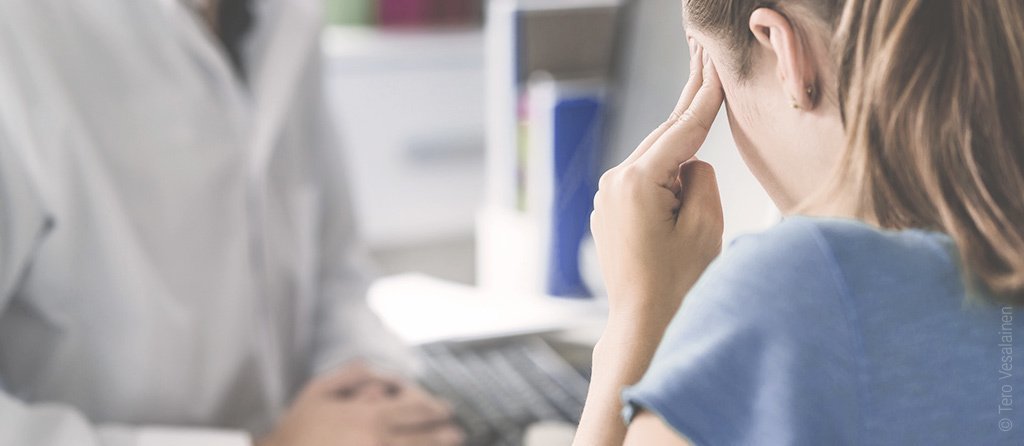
831	332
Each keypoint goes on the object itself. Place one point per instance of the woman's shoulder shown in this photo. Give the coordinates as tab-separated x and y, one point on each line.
768	278
777	257
765	332
845	249
774	331
826	267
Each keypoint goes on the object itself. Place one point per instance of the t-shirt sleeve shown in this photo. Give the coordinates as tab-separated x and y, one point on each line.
761	351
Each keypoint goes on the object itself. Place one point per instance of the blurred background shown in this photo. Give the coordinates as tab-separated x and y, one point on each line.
430	95
474	133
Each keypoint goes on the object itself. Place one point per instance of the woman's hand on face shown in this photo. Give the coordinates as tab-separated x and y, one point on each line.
657	217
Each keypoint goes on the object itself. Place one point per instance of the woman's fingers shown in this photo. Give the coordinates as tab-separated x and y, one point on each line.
680	142
693	85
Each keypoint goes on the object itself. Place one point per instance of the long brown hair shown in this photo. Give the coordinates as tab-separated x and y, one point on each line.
932	98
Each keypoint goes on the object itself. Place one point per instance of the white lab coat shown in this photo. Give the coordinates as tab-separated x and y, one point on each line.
176	249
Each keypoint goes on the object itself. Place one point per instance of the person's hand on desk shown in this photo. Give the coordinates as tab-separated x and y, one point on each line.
357	406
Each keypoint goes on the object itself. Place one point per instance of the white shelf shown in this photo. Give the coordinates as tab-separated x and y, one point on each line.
410	113
405	48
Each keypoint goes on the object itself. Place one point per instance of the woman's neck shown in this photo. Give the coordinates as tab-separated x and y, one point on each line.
842	200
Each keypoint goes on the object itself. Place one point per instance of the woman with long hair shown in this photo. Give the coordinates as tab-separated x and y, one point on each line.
883	308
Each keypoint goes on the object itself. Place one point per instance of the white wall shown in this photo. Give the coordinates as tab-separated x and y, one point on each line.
410	113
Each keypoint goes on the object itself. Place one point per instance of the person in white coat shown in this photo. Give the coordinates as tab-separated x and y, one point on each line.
178	263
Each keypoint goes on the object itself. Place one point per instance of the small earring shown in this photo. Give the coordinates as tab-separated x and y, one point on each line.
810	95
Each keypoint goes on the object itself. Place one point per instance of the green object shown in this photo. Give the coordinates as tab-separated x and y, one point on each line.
351	12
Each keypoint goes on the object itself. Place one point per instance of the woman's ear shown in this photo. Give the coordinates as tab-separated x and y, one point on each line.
795	67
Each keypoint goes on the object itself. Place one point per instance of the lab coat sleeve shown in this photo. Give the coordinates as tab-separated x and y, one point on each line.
23	219
55	425
346	328
24	224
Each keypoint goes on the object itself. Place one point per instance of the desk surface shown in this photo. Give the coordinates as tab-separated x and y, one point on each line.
421	309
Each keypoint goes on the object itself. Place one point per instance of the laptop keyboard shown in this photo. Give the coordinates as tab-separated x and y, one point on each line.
499	388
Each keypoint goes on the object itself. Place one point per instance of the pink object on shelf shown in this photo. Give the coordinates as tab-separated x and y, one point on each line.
404	12
450	11
428	12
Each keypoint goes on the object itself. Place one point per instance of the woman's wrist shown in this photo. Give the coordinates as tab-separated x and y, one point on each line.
635	325
621	357
628	343
646	301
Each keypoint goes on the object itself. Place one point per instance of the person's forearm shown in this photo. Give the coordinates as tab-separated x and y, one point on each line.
620	359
